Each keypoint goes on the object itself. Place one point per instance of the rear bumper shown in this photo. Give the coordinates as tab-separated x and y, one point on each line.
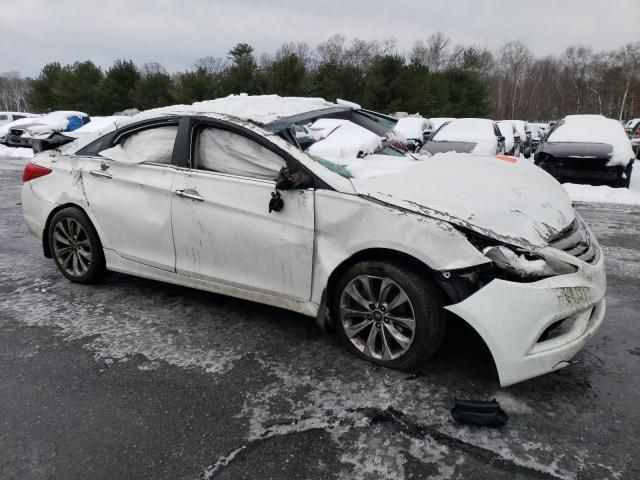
35	211
512	317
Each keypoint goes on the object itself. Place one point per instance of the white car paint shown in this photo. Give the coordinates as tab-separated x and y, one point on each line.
286	258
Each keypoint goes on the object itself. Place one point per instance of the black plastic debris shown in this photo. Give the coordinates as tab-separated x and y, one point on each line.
483	413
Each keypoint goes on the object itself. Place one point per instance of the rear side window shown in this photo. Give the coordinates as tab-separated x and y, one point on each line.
224	151
153	145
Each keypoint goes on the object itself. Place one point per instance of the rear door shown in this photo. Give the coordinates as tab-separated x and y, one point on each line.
132	202
222	226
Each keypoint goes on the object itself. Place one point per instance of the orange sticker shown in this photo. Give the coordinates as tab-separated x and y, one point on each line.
507	158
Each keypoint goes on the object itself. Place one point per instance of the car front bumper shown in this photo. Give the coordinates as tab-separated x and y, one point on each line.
512	317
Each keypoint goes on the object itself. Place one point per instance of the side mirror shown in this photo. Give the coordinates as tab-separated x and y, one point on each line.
118	154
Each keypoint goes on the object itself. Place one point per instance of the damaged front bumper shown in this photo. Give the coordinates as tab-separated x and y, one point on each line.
537	327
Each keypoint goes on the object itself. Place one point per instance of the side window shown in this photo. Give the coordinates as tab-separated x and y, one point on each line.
151	145
224	151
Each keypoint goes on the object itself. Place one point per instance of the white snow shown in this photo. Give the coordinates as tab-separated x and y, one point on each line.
347	141
438	121
257	108
412	128
324	126
477	130
99	123
8	152
595	129
506	129
604	194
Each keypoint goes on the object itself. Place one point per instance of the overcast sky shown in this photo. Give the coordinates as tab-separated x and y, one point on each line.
177	32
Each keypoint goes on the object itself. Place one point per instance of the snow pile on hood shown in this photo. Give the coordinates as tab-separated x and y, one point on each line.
411	128
474	130
8	152
594	129
346	141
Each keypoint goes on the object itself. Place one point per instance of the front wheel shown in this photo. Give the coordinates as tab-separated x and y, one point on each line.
75	246
388	314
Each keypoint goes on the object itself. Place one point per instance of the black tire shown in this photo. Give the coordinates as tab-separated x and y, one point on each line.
86	246
628	170
425	299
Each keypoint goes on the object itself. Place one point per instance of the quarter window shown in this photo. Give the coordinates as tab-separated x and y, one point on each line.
153	145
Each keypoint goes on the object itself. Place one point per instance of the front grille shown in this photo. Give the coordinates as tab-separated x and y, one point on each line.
577	242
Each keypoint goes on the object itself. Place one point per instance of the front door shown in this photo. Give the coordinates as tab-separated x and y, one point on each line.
222	227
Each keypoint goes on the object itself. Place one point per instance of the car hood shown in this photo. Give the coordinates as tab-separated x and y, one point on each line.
500	197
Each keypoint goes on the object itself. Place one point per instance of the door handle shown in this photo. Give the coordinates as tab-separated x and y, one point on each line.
191	194
100	173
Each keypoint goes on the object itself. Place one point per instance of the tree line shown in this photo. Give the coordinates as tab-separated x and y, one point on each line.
436	78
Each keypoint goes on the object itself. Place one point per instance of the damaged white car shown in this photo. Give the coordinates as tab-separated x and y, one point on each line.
219	196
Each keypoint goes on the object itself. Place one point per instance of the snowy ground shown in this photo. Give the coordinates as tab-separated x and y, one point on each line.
137	379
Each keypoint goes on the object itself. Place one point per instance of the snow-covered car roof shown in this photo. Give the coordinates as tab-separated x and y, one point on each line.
594	129
261	109
438	121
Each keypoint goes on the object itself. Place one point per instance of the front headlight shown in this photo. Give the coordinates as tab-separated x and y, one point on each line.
524	264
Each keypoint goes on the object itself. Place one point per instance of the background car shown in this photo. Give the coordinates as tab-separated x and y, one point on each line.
524	135
415	130
511	138
587	149
21	133
467	135
8	117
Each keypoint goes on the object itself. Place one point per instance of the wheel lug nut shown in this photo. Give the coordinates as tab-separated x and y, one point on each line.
382	308
377	324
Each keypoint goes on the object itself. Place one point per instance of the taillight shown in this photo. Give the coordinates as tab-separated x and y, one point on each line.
637	134
33	171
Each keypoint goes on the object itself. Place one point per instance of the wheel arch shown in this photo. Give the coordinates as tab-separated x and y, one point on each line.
372	254
46	248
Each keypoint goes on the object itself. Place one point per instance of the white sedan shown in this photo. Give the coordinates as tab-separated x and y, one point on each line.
379	244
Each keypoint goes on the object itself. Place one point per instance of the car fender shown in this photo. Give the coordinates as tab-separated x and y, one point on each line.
348	224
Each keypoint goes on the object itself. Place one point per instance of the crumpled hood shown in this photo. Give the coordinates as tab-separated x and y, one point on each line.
504	198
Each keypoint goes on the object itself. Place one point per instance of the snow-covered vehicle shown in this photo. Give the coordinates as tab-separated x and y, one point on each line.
524	135
587	149
467	135
511	138
22	133
632	127
8	117
415	130
437	122
219	196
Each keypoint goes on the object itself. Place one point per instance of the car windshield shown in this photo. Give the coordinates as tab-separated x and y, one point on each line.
354	144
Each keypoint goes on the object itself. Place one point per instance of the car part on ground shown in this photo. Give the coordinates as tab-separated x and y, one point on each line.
478	412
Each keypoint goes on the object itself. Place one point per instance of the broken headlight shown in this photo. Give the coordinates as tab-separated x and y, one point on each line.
525	265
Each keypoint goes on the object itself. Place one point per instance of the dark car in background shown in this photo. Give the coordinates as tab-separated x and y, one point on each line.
588	149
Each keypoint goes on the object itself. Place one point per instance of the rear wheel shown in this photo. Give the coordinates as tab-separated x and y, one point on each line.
75	246
388	314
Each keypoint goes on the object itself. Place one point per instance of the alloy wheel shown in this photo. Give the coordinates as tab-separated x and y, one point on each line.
72	247
377	317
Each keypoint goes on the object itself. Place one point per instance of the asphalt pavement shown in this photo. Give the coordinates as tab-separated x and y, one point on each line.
137	379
